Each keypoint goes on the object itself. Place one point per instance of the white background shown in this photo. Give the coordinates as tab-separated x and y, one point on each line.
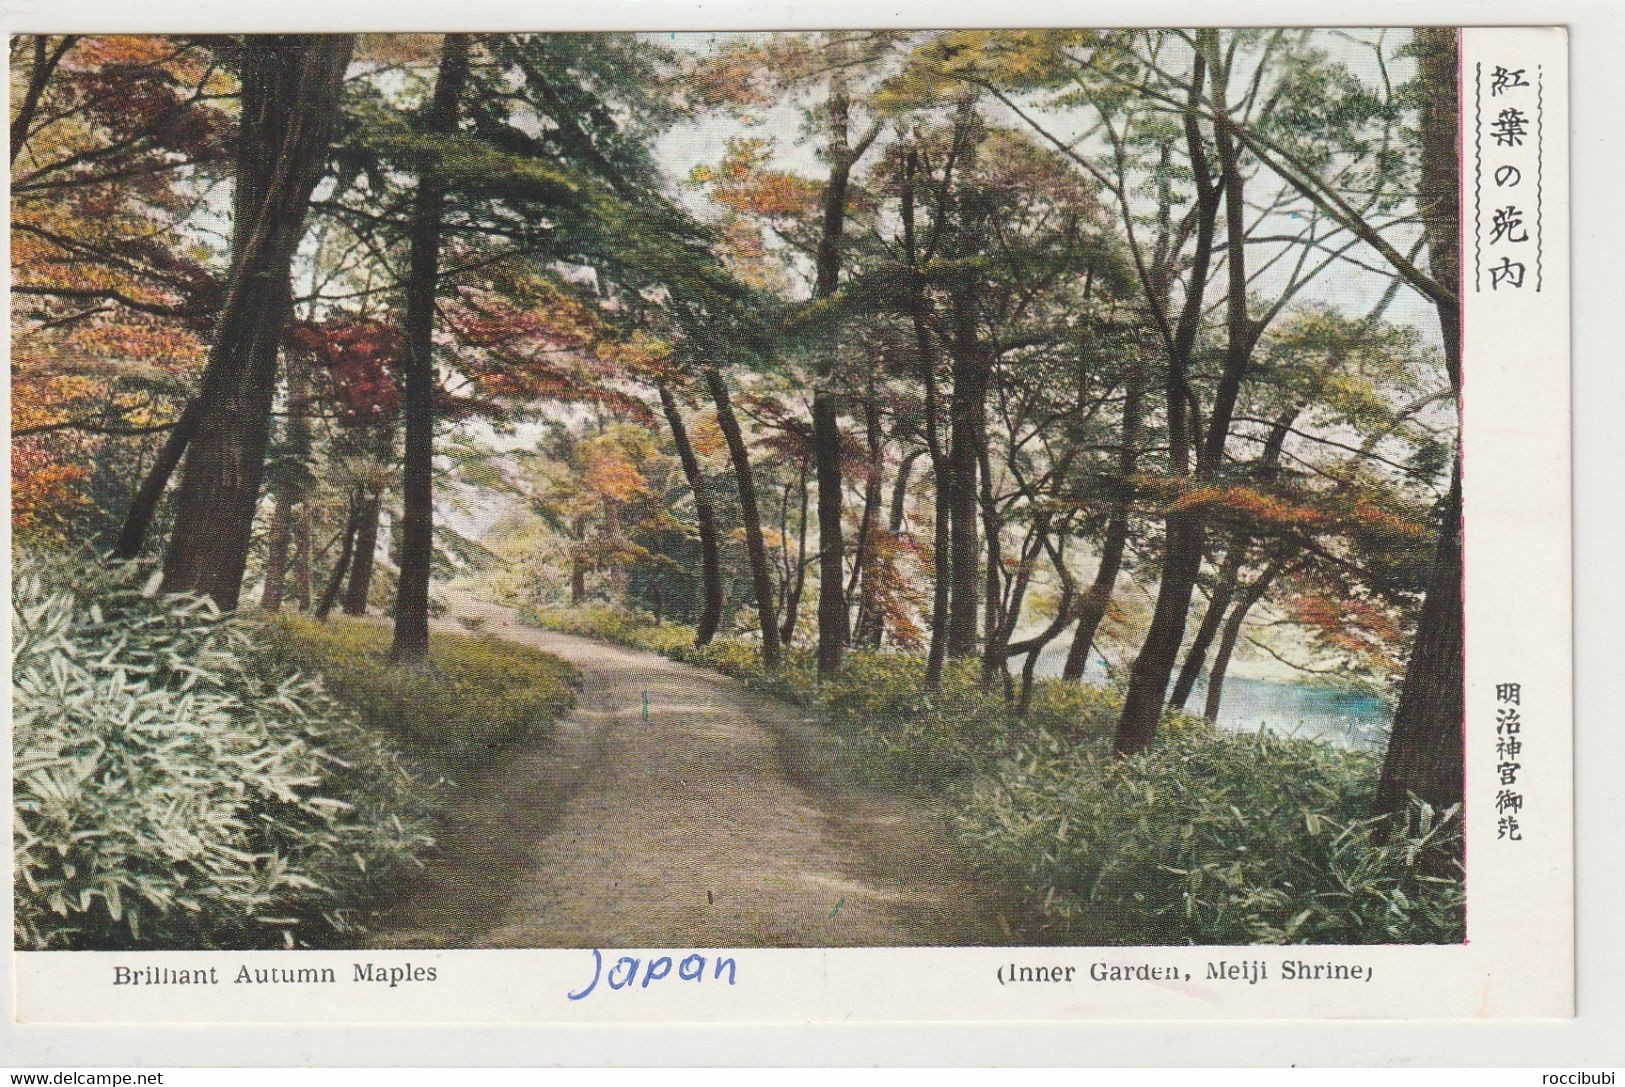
1596	1037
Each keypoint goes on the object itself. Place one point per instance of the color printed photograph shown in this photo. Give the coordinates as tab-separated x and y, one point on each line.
819	489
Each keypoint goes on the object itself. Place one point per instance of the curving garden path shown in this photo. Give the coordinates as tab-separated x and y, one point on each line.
715	821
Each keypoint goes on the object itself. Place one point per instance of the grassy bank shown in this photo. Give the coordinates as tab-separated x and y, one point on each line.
1207	838
478	696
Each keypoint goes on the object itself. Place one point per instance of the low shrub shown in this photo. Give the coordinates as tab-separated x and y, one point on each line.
1216	838
170	791
906	733
478	696
613	625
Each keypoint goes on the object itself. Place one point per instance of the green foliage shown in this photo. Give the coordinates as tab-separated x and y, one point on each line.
1207	838
615	625
1213	838
171	792
924	739
476	698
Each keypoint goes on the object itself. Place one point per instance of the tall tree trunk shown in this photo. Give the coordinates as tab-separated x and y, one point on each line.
941	546
1249	597
965	412
289	107
276	552
705	515
832	630
290	517
1224	587
832	615
417	401
352	527
970	366
1148	682
1424	756
755	548
1185	528
1425	746
994	627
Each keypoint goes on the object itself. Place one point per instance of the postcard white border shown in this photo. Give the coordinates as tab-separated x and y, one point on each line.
1246	1042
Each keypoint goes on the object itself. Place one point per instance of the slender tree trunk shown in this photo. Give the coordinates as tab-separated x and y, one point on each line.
705	515
290	517
578	565
832	614
869	625
144	504
578	560
899	492
1015	597
298	493
1266	471
1425	746
994	627
798	578
359	593
941	472
612	540
786	571
352	527
1097	598
290	91
417	402
303	554
1035	646
755	547
1224	588
276	552
1250	596
832	630
965	410
366	549
941	573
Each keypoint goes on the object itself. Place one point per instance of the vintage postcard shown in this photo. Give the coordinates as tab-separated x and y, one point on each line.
896	524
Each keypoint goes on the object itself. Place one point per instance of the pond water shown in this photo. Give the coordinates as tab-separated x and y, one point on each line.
1345	718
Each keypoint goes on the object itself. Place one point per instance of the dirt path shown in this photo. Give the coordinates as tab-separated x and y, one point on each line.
710	824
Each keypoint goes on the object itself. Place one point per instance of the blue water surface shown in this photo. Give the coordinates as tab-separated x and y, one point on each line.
1345	718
